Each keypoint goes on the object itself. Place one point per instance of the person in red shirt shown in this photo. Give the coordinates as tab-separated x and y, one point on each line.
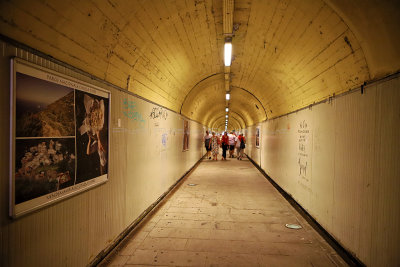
224	144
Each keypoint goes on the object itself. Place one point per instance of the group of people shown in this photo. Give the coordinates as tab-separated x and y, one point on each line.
227	141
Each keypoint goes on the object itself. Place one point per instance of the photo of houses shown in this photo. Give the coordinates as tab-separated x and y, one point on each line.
56	124
43	166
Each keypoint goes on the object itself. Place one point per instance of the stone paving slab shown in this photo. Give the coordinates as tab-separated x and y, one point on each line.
232	217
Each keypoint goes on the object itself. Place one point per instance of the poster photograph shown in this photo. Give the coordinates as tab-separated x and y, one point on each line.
186	133
258	137
91	135
59	137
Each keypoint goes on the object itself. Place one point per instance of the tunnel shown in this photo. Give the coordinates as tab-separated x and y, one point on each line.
105	105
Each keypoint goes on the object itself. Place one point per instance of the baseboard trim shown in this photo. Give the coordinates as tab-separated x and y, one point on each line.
134	225
347	256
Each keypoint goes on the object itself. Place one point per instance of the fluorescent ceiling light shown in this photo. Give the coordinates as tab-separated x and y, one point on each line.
226	116
227	96
228	54
227	109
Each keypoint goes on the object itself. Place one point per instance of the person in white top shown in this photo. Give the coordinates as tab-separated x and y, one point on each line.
237	146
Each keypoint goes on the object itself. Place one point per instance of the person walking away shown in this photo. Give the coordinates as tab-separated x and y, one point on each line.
224	144
207	139
242	141
214	146
231	137
237	146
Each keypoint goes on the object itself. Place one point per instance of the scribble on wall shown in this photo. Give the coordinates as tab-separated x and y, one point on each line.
158	112
303	152
303	168
130	111
164	139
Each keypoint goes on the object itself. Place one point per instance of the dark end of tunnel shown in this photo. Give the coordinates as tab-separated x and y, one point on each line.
348	257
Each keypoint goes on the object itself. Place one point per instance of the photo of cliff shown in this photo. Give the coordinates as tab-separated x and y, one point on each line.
43	109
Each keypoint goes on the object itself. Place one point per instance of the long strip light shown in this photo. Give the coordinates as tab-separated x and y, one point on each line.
228	54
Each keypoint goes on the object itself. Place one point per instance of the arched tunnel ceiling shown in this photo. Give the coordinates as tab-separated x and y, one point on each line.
211	89
286	54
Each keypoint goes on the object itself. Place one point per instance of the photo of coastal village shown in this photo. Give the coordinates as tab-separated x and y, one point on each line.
43	166
60	138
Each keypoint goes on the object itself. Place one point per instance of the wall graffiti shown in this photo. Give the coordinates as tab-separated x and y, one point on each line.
130	111
303	152
158	112
164	139
303	168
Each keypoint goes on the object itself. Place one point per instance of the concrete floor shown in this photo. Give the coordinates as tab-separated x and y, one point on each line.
232	217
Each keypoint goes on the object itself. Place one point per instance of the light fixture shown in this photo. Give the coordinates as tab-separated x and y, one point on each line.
228	53
226	109
228	96
226	116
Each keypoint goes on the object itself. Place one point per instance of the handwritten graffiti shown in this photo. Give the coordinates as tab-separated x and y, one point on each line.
164	139
303	168
129	111
303	124
158	112
304	147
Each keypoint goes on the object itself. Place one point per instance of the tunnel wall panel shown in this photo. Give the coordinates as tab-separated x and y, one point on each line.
339	161
251	149
74	231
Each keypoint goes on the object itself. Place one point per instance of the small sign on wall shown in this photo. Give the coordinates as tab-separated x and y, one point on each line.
258	137
59	136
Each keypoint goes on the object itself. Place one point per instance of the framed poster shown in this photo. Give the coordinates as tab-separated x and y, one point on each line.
258	137
59	136
186	132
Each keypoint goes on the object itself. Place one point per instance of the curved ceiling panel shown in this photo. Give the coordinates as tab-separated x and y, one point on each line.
219	125
238	117
248	105
375	25
292	54
203	97
155	49
233	122
286	54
